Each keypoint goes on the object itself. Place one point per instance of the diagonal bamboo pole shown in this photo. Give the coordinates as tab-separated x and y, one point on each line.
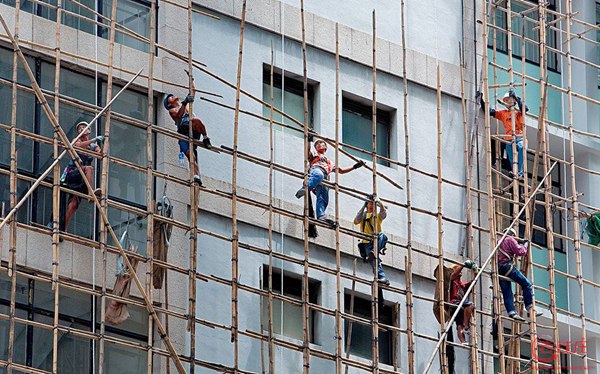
103	215
479	273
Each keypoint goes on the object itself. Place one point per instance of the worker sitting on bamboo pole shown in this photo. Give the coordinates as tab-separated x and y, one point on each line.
370	224
511	247
180	113
71	177
458	290
320	168
510	100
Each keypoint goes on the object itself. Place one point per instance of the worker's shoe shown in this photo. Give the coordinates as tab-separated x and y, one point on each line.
537	313
383	280
517	317
327	221
300	193
206	142
98	192
197	180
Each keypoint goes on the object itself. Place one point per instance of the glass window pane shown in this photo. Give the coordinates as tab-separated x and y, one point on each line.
130	103
133	15
78	22
71	303
124	360
127	184
78	86
134	225
357	131
22	187
293	105
129	143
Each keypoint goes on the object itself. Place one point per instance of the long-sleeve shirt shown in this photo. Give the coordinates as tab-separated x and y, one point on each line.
512	248
368	224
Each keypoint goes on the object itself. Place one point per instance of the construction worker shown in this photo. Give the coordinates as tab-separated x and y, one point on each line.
370	224
510	99
71	177
179	112
320	168
458	290
511	247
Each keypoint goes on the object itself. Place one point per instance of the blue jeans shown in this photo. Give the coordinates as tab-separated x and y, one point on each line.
509	153
506	287
315	177
381	242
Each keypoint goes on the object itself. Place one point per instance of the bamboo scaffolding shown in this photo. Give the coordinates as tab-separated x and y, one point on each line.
338	256
151	130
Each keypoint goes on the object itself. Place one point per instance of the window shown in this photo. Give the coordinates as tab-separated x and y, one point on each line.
545	355
357	129
126	185
361	338
525	26
33	345
133	14
287	317
539	217
292	90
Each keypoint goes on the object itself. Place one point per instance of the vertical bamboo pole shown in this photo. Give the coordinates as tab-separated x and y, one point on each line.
440	224
575	207
375	287
489	187
271	187
408	259
469	227
56	194
150	202
305	284
12	239
104	187
234	225
350	323
193	252
338	279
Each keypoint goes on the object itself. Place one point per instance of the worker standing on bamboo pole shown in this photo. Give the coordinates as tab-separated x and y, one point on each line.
511	247
72	179
458	289
320	168
370	223
178	110
510	100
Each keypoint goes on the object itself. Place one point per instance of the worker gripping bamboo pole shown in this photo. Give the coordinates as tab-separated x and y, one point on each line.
76	159
375	286
408	260
305	284
150	202
234	224
440	283
575	206
474	281
338	279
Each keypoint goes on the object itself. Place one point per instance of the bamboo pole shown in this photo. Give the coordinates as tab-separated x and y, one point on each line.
409	246
575	206
150	201
305	283
234	225
375	287
440	282
271	187
103	215
338	255
350	323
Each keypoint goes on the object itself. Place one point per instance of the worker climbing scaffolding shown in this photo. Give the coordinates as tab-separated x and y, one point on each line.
72	178
370	223
510	248
510	100
320	168
179	112
457	291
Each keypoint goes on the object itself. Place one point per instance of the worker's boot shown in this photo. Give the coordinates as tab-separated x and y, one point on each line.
383	280
197	180
516	317
300	193
537	313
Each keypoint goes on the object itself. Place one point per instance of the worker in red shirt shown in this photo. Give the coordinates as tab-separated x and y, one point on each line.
320	168
457	292
510	100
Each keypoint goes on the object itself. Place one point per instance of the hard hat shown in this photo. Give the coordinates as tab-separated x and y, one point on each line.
454	266
510	231
166	101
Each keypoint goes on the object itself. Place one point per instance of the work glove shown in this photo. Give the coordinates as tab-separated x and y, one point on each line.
311	138
469	264
188	99
526	243
378	202
98	139
359	164
479	95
